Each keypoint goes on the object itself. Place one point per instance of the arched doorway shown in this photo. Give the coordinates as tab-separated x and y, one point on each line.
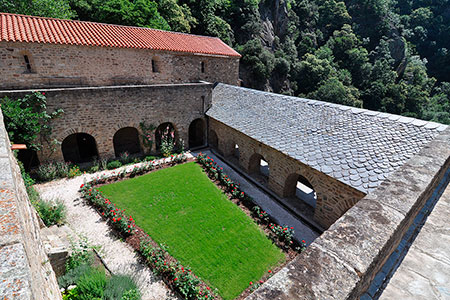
165	130
29	159
213	139
197	133
259	168
126	140
79	148
299	187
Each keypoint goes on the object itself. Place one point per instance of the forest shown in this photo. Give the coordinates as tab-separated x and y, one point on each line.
386	55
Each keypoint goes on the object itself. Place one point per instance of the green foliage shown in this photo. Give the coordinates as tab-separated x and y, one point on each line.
72	276
51	212
74	171
117	286
91	284
26	118
44	8
53	170
142	13
147	134
113	165
71	294
131	295
81	254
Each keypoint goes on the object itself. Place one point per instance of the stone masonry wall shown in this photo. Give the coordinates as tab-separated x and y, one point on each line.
342	262
102	111
334	198
25	271
73	65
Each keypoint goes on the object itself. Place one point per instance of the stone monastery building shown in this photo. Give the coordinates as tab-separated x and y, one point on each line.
110	78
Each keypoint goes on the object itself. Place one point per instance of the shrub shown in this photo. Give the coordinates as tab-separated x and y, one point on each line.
94	168
51	212
125	158
113	164
150	158
117	286
72	276
91	284
81	254
71	295
62	169
103	164
74	171
46	172
131	295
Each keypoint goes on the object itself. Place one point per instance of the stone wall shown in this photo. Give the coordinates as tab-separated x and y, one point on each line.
343	261
334	198
102	111
73	65
25	270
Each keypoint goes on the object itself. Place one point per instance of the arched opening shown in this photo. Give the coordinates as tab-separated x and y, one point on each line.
213	139
259	168
297	186
165	131
197	130
126	140
79	148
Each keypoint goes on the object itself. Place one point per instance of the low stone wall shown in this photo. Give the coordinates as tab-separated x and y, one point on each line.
25	270
342	262
334	198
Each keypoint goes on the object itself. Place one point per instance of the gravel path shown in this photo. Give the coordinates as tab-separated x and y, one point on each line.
118	256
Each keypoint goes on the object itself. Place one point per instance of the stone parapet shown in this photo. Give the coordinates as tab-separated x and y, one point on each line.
342	262
25	270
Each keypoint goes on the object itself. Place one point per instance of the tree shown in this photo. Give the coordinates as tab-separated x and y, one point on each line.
43	8
27	118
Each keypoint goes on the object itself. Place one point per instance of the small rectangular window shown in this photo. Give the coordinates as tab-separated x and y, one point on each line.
203	67
27	63
154	66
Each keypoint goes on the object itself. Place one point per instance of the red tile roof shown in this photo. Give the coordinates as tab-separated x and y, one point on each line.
29	29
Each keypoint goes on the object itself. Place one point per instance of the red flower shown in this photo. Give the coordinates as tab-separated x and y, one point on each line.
292	227
303	241
175	279
81	186
43	93
251	283
270	271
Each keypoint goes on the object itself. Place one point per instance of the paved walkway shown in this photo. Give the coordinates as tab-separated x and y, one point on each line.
280	214
424	273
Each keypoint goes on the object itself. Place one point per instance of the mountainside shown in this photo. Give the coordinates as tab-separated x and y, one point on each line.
387	55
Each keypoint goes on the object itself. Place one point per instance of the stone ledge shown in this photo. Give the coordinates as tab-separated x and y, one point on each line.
343	261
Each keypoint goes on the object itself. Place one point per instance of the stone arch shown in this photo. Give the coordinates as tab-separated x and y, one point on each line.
79	147
197	133
164	128
126	139
300	187
213	139
258	165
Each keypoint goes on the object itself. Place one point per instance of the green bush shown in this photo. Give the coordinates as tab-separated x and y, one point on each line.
71	294
150	158
74	171
125	158
91	285
81	254
52	170
113	164
131	295
73	275
51	212
117	286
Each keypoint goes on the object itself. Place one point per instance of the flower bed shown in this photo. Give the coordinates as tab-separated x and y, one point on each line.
181	279
281	235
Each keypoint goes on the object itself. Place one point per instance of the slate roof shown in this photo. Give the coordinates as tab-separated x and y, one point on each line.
356	146
30	29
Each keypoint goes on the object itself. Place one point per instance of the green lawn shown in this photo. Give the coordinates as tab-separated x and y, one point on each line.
182	208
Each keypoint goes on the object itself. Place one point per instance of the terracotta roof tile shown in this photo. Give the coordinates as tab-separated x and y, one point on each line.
21	28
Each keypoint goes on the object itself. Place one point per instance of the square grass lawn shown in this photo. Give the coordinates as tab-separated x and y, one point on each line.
181	207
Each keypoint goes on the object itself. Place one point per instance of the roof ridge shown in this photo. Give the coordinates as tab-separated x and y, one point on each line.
355	110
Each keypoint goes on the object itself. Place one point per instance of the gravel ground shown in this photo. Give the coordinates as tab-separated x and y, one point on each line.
84	220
